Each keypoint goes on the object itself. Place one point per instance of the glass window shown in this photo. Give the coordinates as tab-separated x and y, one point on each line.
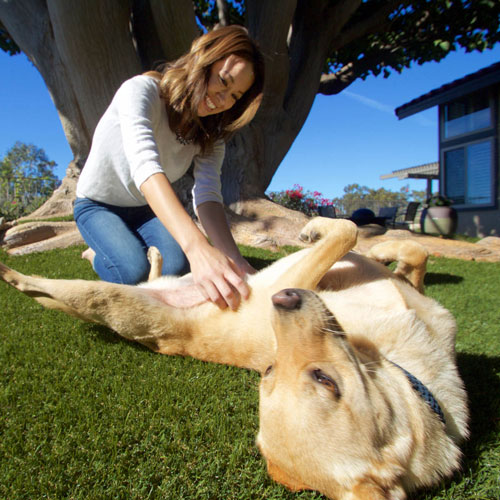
479	173
454	162
468	114
468	175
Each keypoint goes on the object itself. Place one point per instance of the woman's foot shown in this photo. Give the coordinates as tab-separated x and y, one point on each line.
89	254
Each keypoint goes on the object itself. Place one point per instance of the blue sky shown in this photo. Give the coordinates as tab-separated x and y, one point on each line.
353	137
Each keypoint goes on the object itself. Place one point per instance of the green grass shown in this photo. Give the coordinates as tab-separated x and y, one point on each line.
87	415
63	218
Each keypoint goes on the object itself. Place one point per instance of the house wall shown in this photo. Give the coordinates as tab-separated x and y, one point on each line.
481	223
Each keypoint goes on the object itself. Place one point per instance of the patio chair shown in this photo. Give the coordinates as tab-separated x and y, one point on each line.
387	216
327	211
409	216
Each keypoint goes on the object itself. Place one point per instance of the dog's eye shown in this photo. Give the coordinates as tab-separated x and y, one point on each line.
326	381
268	370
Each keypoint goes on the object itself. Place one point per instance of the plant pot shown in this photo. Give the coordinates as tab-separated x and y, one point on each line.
440	221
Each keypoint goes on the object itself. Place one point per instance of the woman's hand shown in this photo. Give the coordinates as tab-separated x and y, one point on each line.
218	277
244	266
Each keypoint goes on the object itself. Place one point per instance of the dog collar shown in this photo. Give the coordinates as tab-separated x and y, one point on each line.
426	395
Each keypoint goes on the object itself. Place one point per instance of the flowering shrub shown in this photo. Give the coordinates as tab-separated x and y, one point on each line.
300	200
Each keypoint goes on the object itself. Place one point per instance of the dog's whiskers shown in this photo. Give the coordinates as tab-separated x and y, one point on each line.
335	332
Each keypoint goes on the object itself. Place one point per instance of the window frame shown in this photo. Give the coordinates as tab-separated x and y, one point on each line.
465	145
442	122
464	140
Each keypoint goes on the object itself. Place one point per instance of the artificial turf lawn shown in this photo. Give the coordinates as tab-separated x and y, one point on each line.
87	415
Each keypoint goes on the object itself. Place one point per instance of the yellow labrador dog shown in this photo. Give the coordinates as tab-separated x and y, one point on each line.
360	396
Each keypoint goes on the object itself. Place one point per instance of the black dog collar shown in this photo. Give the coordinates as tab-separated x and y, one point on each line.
426	395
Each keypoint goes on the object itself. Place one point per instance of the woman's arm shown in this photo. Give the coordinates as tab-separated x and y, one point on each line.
213	220
218	277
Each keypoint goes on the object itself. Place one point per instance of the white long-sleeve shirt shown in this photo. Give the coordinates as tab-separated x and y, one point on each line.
133	141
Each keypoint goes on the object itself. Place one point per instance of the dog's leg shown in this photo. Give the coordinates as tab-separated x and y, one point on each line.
338	236
411	258
131	311
156	262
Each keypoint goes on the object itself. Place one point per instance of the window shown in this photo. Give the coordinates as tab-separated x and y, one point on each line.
468	173
468	114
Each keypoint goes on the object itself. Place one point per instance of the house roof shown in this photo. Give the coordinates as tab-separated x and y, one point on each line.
425	171
450	91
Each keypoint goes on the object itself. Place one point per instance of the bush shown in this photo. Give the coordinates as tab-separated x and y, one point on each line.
296	199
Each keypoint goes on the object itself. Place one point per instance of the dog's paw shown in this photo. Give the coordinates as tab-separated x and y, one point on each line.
156	262
318	227
309	236
154	255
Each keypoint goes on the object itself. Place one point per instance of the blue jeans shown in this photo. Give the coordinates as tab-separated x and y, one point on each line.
120	238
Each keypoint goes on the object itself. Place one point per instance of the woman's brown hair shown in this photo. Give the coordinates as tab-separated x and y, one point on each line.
183	85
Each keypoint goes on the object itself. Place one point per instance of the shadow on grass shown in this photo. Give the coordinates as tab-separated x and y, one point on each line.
105	335
442	278
481	377
259	263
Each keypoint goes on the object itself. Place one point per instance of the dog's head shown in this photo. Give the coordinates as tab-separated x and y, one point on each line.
324	422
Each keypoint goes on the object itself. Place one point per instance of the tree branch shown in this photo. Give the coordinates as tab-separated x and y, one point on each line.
341	12
377	22
268	23
223	11
337	82
176	26
315	24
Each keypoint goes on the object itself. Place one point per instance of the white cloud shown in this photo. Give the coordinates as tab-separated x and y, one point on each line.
424	119
371	103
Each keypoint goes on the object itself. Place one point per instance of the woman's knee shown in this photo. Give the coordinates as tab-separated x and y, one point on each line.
175	263
125	270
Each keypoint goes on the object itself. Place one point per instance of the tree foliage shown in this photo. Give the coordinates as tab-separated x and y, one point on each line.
356	196
26	180
6	43
391	35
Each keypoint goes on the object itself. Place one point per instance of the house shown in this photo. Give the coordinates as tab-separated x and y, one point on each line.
469	156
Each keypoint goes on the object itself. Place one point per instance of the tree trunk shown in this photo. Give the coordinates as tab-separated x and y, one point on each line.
294	37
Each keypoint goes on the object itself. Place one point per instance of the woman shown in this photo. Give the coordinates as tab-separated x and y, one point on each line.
155	127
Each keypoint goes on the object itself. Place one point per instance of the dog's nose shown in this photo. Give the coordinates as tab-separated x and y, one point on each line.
287	299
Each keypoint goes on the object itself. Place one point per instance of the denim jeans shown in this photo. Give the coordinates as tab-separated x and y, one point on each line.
120	237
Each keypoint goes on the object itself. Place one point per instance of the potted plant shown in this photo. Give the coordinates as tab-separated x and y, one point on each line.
438	216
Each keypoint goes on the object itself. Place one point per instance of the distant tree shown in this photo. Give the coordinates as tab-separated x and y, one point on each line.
26	180
356	196
85	49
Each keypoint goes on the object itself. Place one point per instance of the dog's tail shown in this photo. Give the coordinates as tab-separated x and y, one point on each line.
411	258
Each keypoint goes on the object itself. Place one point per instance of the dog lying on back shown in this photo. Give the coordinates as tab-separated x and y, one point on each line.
360	396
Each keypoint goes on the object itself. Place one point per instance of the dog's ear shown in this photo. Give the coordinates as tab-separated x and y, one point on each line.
366	350
283	478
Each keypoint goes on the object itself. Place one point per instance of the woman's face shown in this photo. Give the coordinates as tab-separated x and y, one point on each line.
229	79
